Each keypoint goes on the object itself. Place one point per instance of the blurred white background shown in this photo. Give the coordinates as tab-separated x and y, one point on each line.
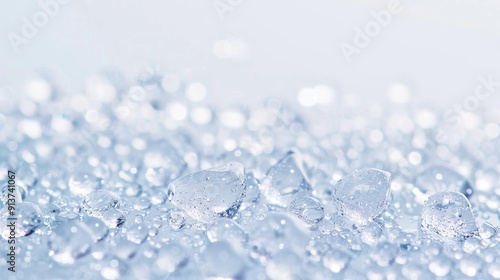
247	50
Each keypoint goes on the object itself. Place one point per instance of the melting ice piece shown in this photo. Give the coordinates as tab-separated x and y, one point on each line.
363	195
98	202
439	178
28	217
210	194
69	242
286	180
307	209
447	217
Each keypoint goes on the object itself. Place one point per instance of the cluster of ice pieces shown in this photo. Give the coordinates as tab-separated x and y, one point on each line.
146	182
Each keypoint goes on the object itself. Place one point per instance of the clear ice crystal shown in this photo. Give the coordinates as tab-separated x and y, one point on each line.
363	195
210	194
286	180
439	178
448	217
308	209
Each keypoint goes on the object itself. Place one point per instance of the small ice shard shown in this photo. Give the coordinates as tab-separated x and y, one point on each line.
441	178
447	217
210	194
286	180
307	209
69	242
363	195
28	216
99	202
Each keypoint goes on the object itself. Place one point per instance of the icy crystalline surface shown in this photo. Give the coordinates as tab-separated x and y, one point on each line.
363	195
210	194
286	180
93	199
447	216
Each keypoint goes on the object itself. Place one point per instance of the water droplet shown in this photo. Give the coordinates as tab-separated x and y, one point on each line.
99	202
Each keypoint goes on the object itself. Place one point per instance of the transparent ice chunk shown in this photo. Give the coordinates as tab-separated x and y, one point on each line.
286	180
363	195
210	194
448	217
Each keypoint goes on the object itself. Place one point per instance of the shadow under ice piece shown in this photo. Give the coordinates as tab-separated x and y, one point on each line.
210	194
448	217
363	195
286	180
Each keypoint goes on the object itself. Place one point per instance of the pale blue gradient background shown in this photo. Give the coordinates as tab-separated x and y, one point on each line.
438	48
